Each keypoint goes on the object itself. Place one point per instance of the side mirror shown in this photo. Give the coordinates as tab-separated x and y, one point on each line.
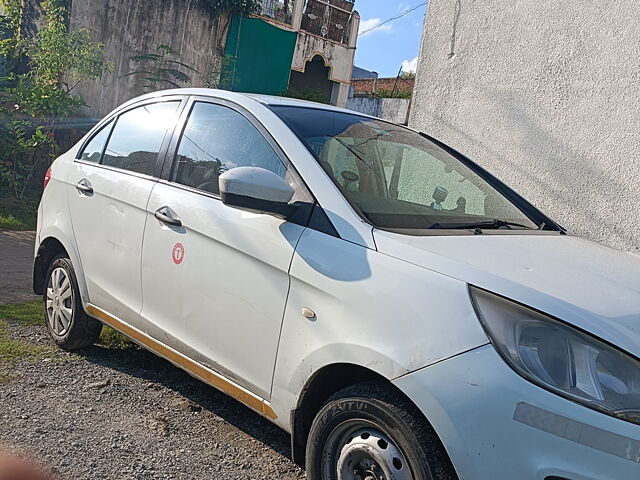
256	190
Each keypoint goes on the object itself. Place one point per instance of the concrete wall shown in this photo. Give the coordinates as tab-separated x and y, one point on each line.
545	94
392	109
130	28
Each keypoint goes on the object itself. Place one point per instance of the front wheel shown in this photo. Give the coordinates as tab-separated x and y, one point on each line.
68	325
370	431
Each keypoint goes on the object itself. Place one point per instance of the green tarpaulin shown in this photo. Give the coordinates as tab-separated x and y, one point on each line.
259	56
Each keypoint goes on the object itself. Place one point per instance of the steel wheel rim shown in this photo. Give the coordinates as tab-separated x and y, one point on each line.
361	450
59	304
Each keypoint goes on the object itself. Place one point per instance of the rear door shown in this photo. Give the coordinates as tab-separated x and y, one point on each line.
216	286
109	187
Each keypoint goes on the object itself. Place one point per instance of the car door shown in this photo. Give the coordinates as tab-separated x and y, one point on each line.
215	286
108	190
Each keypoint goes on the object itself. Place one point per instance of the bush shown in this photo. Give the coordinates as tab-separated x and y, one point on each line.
398	93
58	60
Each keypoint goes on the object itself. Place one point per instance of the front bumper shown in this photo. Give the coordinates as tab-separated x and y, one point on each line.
496	425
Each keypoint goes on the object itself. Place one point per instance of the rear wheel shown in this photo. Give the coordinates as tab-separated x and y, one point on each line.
69	326
370	431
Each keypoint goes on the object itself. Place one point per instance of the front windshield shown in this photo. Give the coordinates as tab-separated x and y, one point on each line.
395	177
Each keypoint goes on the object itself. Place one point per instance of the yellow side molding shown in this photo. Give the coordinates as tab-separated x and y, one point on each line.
194	368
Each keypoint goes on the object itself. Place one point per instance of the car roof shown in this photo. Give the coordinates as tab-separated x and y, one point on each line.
270	100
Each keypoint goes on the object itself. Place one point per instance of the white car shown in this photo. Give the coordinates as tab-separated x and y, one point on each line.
397	309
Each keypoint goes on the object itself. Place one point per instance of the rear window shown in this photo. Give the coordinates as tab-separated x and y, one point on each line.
137	137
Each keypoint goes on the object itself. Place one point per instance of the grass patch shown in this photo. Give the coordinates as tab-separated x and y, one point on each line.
25	313
11	350
11	223
15	216
114	340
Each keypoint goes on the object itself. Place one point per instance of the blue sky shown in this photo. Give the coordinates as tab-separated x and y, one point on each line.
387	47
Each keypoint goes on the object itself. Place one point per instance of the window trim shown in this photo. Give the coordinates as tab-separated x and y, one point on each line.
170	158
103	125
115	116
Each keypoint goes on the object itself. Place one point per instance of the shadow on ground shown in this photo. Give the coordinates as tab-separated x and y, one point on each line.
140	363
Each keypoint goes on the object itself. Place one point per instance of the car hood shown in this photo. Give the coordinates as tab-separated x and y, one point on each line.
583	283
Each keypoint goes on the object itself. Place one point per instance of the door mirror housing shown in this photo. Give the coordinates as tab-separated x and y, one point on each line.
256	190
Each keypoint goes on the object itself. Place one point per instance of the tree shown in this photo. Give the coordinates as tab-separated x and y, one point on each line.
57	60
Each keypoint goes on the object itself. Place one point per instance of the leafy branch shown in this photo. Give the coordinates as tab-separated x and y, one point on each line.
159	70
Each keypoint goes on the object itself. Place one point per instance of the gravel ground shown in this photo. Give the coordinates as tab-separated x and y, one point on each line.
128	414
16	260
122	413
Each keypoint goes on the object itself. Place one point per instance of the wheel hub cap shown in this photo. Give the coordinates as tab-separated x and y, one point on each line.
365	453
59	304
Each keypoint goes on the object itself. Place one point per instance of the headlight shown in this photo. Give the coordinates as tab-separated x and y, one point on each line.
561	358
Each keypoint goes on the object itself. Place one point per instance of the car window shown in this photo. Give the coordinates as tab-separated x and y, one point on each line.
93	150
137	137
216	139
397	178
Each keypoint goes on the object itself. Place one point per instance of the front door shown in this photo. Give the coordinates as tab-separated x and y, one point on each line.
216	284
108	189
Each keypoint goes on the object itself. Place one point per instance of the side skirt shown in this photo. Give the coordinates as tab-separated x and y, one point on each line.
195	369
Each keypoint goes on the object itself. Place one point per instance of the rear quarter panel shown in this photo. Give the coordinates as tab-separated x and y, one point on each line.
54	220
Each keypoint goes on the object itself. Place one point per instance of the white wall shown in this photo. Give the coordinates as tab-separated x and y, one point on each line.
392	109
131	28
546	95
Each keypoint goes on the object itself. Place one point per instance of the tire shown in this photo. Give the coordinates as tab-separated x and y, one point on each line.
67	323
371	431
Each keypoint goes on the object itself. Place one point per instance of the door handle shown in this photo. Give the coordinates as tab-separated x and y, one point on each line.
166	215
85	187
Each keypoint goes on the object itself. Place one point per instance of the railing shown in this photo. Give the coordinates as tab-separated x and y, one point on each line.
280	10
329	19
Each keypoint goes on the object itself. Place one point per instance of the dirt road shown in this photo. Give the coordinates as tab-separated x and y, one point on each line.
16	260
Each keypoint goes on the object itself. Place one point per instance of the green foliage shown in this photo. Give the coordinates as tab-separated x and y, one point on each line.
160	70
309	94
57	61
25	314
398	93
220	74
29	313
232	7
114	340
10	27
9	222
17	216
62	58
408	75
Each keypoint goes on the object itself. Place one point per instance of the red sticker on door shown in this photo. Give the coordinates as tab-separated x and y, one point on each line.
177	254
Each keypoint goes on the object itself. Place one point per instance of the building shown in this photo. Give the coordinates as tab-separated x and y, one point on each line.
361	73
294	45
545	95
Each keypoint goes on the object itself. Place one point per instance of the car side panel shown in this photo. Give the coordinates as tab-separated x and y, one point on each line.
108	228
371	310
54	220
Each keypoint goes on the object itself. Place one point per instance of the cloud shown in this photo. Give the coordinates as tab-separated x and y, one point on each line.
367	25
410	65
403	7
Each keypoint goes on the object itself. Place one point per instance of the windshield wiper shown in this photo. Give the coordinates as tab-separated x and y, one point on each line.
496	223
